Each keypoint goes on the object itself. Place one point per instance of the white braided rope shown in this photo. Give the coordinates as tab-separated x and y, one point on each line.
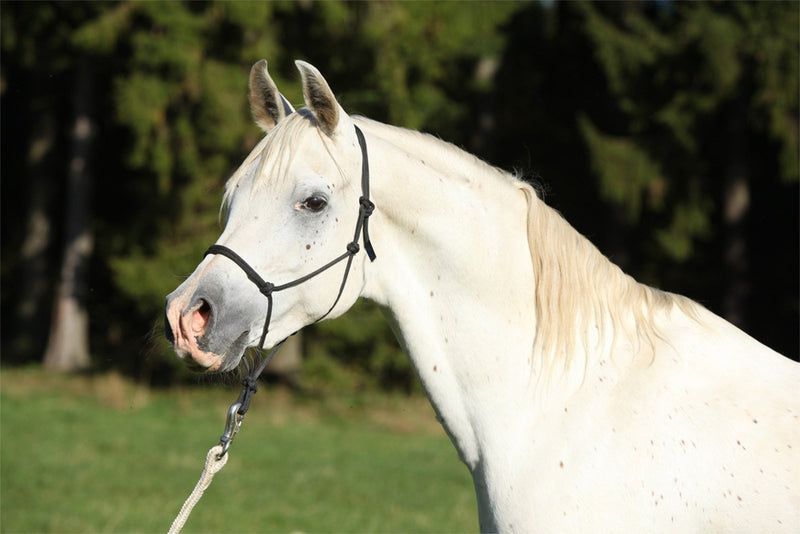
213	464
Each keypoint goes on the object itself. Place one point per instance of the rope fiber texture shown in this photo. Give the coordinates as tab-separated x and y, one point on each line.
214	462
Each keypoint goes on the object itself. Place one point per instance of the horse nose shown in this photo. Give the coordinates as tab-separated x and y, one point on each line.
182	320
200	310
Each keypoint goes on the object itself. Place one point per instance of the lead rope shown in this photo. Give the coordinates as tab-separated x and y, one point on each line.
217	456
215	461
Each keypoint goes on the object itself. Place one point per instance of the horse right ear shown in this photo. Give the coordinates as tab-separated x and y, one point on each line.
267	104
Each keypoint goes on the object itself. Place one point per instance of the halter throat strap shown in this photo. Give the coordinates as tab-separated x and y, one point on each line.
366	207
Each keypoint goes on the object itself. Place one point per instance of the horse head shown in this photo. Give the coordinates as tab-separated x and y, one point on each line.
290	210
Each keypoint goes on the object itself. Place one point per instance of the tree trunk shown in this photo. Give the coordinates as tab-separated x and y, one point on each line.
68	344
30	309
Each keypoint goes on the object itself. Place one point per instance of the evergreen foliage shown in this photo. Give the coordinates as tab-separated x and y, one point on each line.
639	118
673	74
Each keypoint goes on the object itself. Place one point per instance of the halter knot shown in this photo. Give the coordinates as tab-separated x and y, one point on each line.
353	248
266	288
250	383
367	207
249	388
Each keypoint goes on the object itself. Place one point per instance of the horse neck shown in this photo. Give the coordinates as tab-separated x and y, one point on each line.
496	298
454	230
454	275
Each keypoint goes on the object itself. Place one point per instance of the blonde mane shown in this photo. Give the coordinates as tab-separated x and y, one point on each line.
578	289
274	153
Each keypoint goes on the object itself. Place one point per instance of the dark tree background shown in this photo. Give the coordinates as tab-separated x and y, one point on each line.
667	132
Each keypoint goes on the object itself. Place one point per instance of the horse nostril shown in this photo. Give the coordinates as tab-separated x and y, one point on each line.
200	318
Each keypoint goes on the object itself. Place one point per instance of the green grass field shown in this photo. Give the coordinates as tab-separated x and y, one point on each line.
99	454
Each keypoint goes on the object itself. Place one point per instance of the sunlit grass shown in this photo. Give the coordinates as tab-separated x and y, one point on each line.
101	455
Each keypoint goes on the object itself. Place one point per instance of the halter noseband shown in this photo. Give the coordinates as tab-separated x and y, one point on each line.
365	209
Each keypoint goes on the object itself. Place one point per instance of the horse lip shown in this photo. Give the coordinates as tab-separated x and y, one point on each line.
229	358
194	365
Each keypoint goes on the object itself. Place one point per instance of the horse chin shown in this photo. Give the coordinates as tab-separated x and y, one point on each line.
197	367
201	361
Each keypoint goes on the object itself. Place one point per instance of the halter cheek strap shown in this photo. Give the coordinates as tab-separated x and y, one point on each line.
366	207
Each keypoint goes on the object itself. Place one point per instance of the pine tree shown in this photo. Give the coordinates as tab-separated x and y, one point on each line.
695	82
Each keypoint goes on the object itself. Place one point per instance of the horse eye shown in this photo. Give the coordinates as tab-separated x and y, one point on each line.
315	203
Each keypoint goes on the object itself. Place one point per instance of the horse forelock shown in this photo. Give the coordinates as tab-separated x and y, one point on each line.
272	155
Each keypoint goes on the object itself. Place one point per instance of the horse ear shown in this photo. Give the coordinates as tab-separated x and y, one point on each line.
319	98
266	103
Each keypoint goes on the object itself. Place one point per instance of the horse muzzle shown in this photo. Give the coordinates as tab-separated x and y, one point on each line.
206	334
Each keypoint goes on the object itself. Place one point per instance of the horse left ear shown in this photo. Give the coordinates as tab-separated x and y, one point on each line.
319	98
267	104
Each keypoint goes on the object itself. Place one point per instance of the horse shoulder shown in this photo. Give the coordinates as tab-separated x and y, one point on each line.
706	430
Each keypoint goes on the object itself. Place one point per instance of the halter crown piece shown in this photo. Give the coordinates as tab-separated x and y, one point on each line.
250	382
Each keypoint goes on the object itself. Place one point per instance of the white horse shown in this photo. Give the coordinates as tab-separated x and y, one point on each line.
579	399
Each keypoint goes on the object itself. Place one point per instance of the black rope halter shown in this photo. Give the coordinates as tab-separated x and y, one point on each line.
250	382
